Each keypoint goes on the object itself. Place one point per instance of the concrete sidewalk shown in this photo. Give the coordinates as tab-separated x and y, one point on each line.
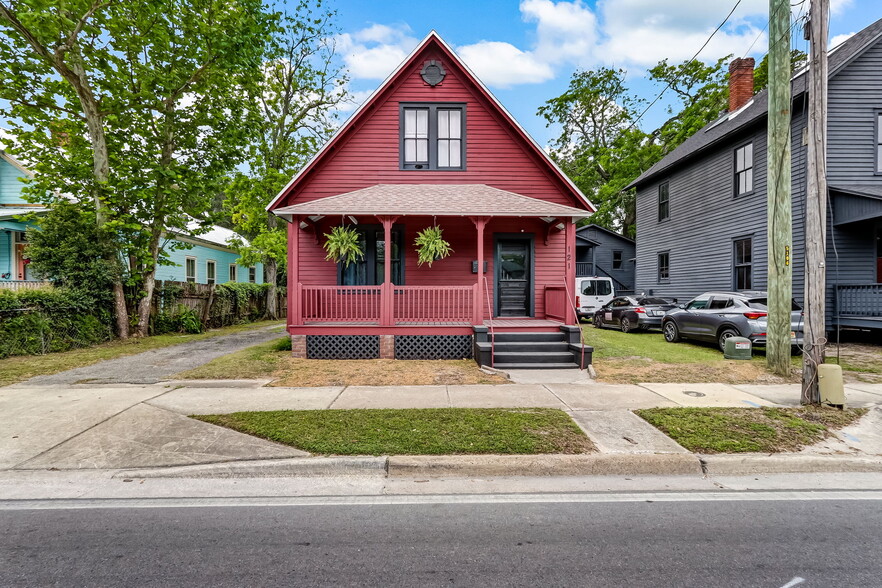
117	427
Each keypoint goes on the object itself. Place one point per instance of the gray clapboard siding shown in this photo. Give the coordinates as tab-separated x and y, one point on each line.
603	254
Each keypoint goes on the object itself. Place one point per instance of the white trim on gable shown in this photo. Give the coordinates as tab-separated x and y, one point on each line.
432	35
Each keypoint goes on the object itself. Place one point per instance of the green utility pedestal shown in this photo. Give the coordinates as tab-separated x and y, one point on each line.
738	348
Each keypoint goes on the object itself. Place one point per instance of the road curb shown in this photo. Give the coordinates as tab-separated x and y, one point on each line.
788	464
543	465
269	468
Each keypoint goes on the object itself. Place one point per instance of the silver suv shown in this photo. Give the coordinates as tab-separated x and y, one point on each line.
717	316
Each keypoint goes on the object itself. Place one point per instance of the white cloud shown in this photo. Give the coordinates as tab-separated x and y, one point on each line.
503	65
837	7
564	31
840	39
374	52
356	98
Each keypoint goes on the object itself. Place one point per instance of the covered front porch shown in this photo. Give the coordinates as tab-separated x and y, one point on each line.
523	246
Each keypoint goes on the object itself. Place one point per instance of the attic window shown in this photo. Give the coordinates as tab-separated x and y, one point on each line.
433	72
432	136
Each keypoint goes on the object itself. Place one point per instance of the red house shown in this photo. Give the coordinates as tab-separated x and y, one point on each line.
430	147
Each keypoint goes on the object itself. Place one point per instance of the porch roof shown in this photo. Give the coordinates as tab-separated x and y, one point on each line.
431	200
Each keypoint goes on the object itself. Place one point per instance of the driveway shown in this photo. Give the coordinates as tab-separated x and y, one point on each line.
158	365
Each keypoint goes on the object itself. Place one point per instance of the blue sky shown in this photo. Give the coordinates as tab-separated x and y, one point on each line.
526	51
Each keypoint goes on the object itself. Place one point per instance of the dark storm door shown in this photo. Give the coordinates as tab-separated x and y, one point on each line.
514	278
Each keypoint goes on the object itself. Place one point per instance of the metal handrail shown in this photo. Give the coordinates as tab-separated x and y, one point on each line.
574	306
490	317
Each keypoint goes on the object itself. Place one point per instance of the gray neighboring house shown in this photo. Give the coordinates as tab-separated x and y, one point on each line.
602	252
701	210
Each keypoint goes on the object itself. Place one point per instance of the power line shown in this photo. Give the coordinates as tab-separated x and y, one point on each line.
697	53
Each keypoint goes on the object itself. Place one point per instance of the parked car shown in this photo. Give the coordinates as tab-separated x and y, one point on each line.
717	316
632	312
592	293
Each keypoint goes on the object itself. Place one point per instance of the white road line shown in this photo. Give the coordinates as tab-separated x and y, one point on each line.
244	501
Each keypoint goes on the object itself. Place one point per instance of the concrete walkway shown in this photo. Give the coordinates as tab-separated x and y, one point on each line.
157	365
77	427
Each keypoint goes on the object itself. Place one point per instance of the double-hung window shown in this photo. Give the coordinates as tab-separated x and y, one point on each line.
210	272
744	169
617	260
743	264
664	266
252	274
233	268
664	201
433	136
190	269
370	269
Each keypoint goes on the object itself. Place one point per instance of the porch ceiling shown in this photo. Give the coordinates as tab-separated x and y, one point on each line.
432	200
856	202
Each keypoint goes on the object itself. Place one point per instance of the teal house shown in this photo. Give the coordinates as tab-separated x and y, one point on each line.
208	260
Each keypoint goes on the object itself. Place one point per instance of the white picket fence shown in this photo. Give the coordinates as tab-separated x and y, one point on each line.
24	285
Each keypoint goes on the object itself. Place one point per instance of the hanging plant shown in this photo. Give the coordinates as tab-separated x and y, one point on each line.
431	246
343	245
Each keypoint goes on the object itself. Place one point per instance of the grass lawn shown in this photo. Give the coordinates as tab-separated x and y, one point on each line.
20	368
273	360
428	431
740	430
645	356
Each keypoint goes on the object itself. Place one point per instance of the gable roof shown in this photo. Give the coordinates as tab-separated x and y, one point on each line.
604	229
359	113
757	108
429	200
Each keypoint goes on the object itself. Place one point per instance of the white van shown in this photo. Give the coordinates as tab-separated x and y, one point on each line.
592	293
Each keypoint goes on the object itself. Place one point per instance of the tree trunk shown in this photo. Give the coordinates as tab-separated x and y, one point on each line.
272	306
145	305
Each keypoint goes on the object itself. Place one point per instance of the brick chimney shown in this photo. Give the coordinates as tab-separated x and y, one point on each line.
740	82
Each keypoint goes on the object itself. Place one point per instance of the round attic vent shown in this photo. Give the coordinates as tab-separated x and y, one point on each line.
433	72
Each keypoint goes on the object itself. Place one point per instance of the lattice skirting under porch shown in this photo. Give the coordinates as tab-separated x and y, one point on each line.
433	346
342	346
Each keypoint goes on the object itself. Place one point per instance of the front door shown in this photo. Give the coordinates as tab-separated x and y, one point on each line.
514	277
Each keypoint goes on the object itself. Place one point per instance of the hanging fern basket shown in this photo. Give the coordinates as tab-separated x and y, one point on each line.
343	245
431	246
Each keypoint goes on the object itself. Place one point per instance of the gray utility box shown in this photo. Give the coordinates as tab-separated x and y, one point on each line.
738	348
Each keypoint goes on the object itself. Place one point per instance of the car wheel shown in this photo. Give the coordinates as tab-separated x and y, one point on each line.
625	325
724	336
596	322
671	332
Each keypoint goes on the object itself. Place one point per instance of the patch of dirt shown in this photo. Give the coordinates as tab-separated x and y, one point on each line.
634	371
861	362
381	372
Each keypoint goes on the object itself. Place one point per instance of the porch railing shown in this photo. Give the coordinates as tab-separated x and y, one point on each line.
859	300
24	285
434	304
350	304
584	269
556	303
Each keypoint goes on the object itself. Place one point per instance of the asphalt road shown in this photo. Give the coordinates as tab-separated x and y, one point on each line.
157	365
708	544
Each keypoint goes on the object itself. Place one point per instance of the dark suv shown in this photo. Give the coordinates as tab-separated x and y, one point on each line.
716	316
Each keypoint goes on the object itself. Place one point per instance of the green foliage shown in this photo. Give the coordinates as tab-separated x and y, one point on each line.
67	249
35	322
344	244
761	73
283	344
233	303
601	146
431	245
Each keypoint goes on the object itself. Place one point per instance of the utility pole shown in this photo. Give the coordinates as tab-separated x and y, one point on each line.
816	204
779	229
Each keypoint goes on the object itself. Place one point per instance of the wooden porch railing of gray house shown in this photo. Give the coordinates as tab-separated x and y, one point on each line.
859	300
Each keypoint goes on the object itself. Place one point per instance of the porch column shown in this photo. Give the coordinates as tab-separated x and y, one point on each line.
387	292
480	223
295	299
570	272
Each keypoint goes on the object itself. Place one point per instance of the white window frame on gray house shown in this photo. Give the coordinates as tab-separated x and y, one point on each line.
744	169
742	263
432	136
190	262
664	204
210	271
666	275
233	272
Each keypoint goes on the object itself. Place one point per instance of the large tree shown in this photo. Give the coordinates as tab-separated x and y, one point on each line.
602	146
292	114
138	106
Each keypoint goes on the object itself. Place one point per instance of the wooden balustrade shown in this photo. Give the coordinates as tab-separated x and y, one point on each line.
434	304
410	304
863	300
348	304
